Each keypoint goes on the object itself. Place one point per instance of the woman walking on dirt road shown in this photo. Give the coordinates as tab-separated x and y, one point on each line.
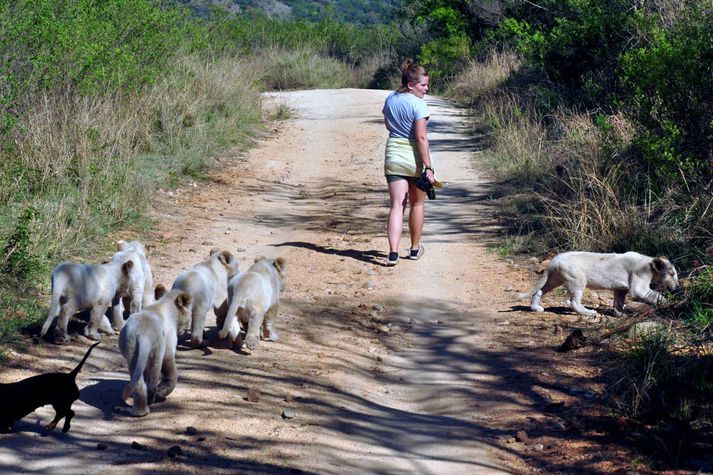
407	155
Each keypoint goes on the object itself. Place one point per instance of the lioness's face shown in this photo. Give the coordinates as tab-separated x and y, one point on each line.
665	276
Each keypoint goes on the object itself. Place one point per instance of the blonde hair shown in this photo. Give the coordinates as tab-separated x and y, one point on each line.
410	73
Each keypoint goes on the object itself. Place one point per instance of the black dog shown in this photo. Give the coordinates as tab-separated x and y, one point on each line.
59	389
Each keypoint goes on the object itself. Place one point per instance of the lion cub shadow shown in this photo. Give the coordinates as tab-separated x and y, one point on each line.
559	310
211	342
102	395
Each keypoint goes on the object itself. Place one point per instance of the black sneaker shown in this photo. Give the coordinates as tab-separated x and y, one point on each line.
415	254
393	259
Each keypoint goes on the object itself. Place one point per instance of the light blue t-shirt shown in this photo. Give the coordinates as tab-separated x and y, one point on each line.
402	110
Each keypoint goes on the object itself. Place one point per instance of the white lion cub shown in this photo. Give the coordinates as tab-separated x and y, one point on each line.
142	293
148	342
77	287
254	296
630	273
207	283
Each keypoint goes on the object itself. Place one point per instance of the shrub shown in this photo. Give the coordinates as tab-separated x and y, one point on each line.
671	96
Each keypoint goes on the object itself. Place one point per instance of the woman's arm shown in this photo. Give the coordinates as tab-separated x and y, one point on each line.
423	147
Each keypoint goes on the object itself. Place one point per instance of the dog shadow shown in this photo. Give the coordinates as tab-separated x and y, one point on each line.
105	395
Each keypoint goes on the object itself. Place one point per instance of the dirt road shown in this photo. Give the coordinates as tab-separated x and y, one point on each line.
387	370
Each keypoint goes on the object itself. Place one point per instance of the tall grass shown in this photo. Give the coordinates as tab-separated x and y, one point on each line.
89	164
479	78
574	175
301	68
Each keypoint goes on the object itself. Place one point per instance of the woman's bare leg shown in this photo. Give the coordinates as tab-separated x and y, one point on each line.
416	214
398	191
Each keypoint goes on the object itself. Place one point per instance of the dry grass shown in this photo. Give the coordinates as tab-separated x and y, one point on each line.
300	68
480	78
518	154
90	164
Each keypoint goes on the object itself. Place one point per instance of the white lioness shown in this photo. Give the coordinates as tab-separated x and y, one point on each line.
254	296
630	273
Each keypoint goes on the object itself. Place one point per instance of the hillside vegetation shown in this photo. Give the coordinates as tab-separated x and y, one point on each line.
365	12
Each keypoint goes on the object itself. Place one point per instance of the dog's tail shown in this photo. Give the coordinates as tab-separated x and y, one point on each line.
76	370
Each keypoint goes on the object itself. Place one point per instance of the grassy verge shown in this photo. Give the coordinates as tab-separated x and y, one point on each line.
573	180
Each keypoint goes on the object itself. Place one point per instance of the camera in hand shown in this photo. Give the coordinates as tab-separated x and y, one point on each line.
424	184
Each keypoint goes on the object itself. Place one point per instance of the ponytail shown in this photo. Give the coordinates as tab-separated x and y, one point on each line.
410	73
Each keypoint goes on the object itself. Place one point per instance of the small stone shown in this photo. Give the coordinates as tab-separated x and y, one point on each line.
288	414
175	451
192	249
379	358
539	447
559	425
377	307
190	430
510	440
241	249
253	394
137	446
440	322
370	284
208	243
505	323
370	272
289	398
522	436
643	329
102	446
384	329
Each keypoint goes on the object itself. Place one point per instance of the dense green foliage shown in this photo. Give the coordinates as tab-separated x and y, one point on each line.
363	12
255	32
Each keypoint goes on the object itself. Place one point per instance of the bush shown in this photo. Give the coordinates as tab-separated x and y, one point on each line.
671	97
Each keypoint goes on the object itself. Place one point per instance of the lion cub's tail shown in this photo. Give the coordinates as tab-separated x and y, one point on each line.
136	367
540	283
